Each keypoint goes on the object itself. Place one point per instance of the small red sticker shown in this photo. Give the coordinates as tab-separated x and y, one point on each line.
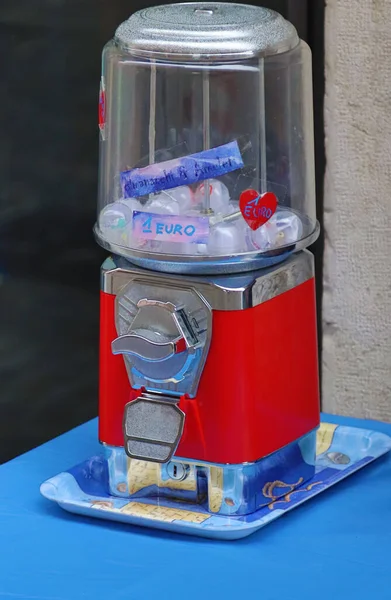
202	188
257	208
102	107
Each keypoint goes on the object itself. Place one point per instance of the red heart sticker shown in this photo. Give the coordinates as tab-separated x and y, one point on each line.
257	208
102	107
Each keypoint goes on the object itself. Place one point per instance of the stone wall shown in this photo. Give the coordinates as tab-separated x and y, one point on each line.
357	261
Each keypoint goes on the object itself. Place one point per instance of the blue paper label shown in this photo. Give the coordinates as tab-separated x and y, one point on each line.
170	228
181	171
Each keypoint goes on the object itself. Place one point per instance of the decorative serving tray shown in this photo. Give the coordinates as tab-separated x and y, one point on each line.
341	451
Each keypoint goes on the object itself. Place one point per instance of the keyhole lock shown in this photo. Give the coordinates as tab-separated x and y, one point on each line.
177	471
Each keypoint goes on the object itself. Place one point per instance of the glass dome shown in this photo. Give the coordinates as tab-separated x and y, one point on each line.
206	139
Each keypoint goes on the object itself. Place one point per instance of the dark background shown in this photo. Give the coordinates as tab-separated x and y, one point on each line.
49	262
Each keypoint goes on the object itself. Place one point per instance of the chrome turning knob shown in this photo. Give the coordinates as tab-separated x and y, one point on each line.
163	334
142	347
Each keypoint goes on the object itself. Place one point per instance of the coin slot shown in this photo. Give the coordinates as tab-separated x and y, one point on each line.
182	314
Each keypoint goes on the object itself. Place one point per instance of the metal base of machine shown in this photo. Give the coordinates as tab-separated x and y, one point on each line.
84	490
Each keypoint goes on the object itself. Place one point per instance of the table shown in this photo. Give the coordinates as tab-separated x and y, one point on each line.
336	546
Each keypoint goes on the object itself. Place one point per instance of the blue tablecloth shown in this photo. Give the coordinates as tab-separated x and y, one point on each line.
338	545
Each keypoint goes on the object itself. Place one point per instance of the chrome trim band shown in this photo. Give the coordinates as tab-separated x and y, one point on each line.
236	292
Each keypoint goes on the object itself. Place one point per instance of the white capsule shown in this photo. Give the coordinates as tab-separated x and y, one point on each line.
233	209
226	238
178	248
284	228
114	221
146	245
290	225
202	249
132	204
219	195
162	204
265	237
183	195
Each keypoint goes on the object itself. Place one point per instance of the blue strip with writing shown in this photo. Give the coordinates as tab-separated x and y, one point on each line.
181	171
170	228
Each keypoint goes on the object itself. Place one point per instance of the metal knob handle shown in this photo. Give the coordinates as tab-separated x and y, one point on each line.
140	346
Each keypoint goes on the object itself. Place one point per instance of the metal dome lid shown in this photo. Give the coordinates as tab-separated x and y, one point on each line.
206	31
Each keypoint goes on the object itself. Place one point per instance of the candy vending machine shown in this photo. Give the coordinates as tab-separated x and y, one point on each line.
209	395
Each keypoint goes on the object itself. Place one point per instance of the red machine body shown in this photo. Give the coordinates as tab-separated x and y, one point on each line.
259	387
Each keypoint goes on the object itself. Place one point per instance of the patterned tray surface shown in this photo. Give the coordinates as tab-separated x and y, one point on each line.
341	451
